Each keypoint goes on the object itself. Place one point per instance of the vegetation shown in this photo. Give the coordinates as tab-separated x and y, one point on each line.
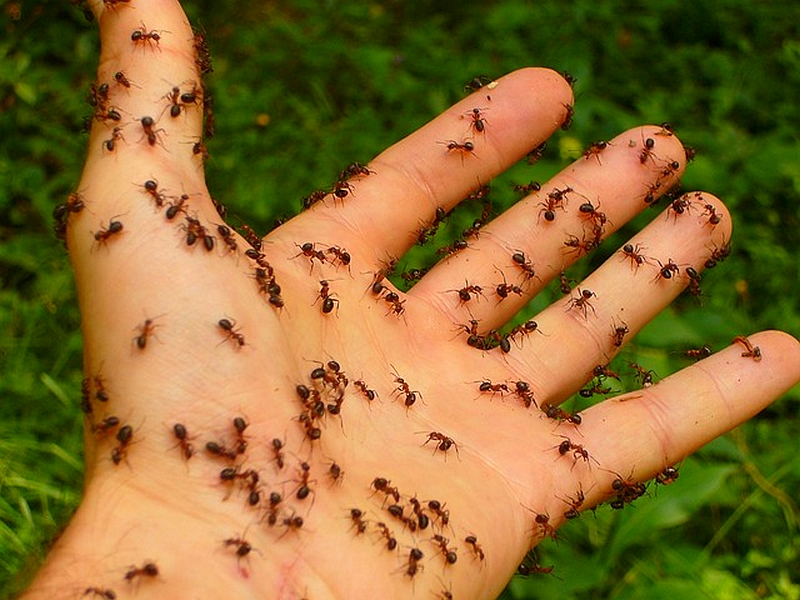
300	84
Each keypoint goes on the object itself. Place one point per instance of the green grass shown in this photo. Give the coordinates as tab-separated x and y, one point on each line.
726	74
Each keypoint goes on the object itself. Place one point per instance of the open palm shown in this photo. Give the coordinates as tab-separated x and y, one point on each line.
273	419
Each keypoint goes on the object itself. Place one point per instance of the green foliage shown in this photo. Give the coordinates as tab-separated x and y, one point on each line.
303	87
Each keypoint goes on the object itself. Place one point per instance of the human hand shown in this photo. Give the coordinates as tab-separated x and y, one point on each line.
153	304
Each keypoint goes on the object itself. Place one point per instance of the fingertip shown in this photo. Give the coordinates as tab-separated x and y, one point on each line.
780	349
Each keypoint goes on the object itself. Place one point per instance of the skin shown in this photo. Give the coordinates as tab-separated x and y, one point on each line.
158	506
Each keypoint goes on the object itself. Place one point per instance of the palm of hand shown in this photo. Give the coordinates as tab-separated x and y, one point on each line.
331	371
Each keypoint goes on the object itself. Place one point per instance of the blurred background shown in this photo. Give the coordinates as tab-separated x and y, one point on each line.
301	88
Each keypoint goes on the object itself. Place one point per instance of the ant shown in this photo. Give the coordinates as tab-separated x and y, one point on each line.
414	556
647	150
573	512
146	330
104	234
369	394
522	390
558	414
335	473
360	524
751	351
381	484
594	388
465	148
504	289
442	514
174	97
101	395
495	388
196	230
230	333
179	430
308	249
527	188
472	541
449	554
340	254
699	353
176	207
478	120
391	541
694	281
146	570
293	522
602	372
220	450
714	217
634	253
582	302
530	565
395	303
108	594
569	113
243	547
477	82
124	437
718	254
148	127
666	271
594	149
618	334
554	200
578	451
111	143
680	205
404	389
527	266
642	374
542	520
581	245
240	424
667	476
534	155
227	237
626	492
122	79
304	489
275	500
441	442
465	293
106	425
143	36
151	188
329	301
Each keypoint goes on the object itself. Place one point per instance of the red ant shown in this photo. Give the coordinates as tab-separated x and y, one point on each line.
666	271
340	254
647	150
360	524
329	300
527	266
335	473
101	395
495	388
275	500
522	390
243	547
381	484
441	442
151	188
404	389
122	79
230	333
413	567
277	452
304	489
465	293
534	155
240	424
714	217
626	492
220	450
176	207
699	353
179	430
527	188
148	127
569	113
369	394
573	512
542	521
147	570
104	426
478	120
146	330
594	149
618	334
449	554
594	388
143	36
558	414
386	533
694	281
530	565
718	254
308	249
196	230
108	594
582	246
124	437
602	371
465	148
634	254
227	237
667	476
111	143
578	451
504	289
395	303
751	351
643	375
581	302
554	200
104	234
472	541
